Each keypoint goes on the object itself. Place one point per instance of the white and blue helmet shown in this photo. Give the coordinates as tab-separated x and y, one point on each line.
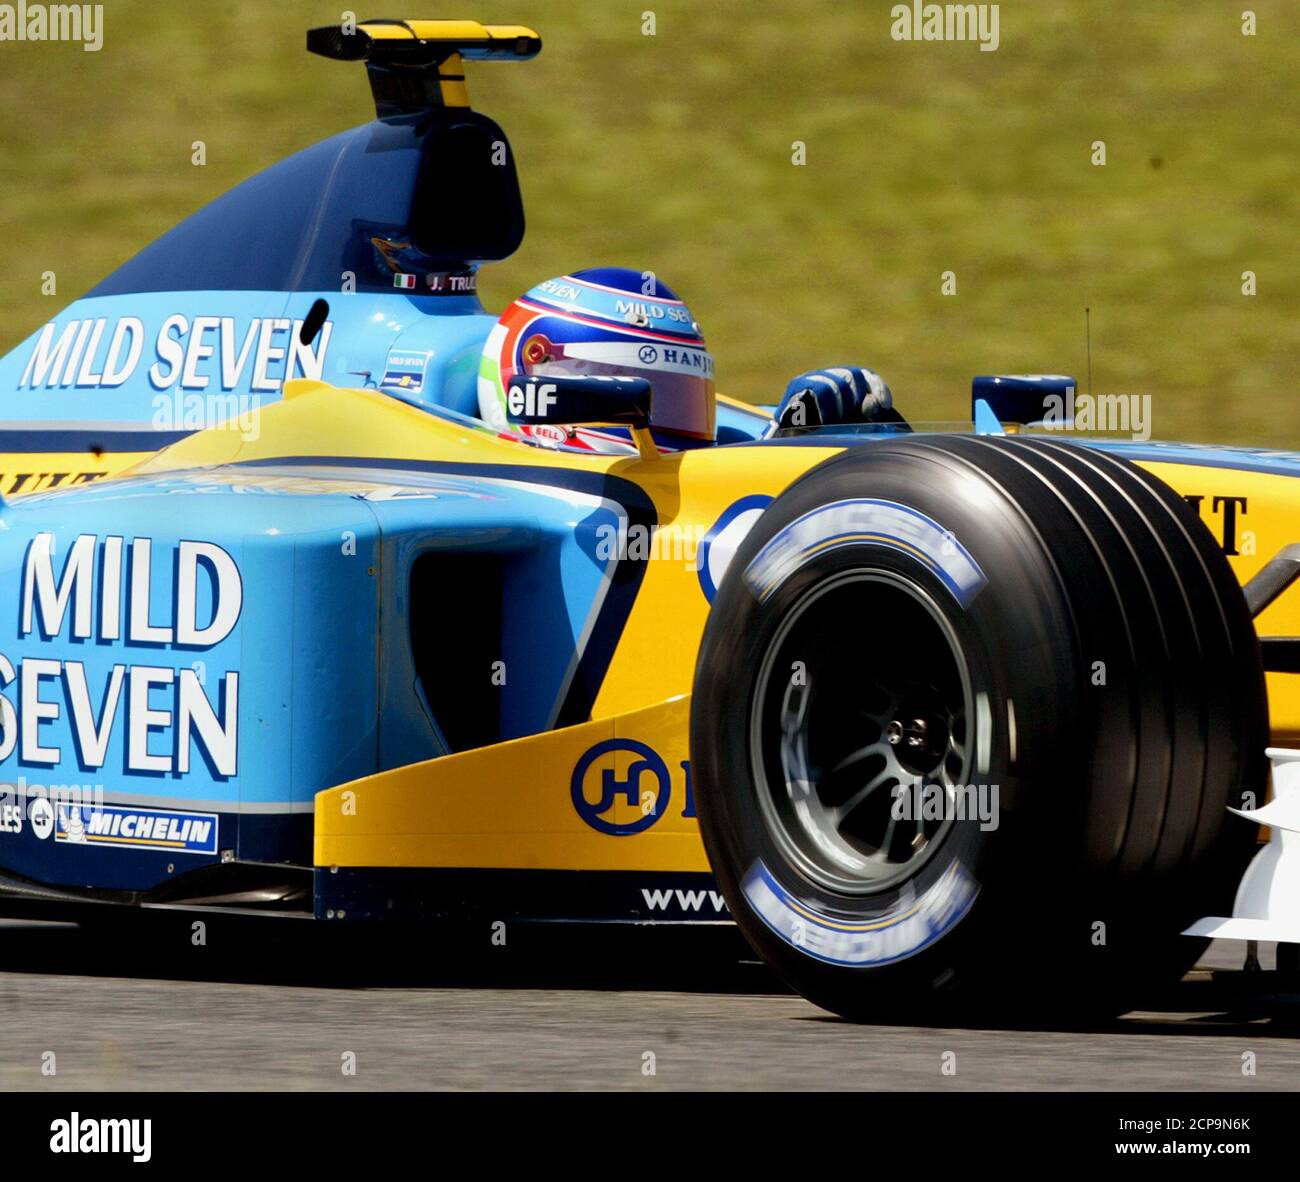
604	321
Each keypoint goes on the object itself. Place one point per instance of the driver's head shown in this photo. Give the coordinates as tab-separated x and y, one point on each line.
610	321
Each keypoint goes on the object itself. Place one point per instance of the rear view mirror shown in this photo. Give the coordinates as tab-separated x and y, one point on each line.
1022	398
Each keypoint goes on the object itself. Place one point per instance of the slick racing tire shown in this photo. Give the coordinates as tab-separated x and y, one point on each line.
968	713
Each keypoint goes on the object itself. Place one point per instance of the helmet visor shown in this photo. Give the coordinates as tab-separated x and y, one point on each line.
680	377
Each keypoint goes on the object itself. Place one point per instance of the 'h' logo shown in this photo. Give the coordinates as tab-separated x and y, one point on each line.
612	789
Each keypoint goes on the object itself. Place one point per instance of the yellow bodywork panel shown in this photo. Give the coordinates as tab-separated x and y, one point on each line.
516	805
1254	514
28	472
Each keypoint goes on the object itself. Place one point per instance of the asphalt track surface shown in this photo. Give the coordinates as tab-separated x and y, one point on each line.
142	1009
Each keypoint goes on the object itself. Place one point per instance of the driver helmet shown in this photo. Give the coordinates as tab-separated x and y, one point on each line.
609	321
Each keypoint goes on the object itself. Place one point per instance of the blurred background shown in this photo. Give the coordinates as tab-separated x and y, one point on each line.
673	153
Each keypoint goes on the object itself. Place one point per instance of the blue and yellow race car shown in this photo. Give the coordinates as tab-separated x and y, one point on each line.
330	593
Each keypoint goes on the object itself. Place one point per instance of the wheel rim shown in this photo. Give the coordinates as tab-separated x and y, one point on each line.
860	718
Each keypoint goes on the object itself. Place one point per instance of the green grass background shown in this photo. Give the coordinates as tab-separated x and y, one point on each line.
673	153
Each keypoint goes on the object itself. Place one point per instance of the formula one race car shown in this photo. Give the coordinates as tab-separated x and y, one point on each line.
302	625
